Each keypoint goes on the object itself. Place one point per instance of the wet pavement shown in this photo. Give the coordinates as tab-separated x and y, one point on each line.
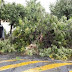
18	63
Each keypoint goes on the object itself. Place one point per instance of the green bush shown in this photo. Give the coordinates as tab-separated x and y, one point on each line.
54	31
56	53
6	47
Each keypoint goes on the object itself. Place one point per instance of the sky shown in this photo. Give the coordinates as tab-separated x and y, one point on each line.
44	3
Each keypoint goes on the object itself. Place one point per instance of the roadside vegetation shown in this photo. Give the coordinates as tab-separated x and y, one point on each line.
51	33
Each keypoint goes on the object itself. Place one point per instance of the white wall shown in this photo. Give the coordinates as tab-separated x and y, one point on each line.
6	26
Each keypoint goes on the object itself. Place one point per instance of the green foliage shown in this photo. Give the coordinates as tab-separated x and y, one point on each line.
57	32
6	47
12	13
30	52
17	58
26	32
62	8
56	53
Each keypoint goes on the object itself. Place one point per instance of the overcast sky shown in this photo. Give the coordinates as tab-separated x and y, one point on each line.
44	3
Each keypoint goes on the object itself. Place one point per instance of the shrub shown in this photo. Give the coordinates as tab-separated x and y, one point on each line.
6	47
56	53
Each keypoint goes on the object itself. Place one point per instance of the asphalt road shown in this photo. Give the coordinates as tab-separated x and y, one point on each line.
17	63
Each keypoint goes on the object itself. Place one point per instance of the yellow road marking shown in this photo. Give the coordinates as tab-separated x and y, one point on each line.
19	64
70	71
46	67
10	60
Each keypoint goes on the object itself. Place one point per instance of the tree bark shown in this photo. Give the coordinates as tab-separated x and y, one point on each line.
0	21
11	30
11	27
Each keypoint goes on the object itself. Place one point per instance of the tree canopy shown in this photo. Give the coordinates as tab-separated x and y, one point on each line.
62	8
12	13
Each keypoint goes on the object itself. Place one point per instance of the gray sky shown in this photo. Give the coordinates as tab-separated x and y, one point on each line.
44	3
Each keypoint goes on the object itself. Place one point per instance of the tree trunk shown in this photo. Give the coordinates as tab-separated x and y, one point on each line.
0	21
11	27
67	14
11	30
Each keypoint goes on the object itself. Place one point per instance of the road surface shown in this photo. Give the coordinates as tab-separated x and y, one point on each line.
16	63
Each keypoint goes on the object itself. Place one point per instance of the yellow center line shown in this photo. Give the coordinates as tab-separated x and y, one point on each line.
10	60
46	67
19	64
